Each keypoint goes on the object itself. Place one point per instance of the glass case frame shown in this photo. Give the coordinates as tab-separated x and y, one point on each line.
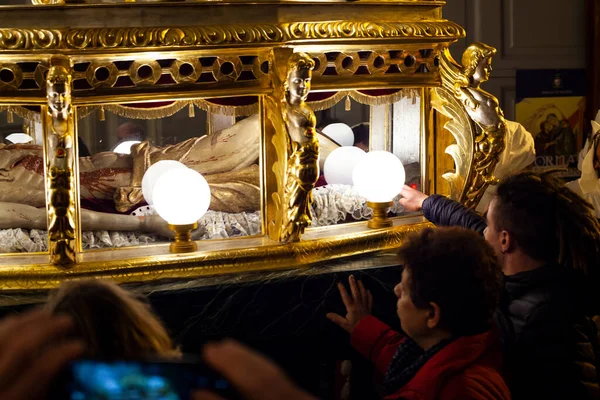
356	48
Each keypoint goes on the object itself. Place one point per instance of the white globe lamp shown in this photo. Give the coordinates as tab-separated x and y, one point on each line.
153	173
340	164
342	134
125	147
17	138
379	177
181	197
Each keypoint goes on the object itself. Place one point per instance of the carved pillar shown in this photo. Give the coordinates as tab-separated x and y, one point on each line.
275	144
292	146
61	168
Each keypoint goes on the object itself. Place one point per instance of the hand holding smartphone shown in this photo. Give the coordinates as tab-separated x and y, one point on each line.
140	380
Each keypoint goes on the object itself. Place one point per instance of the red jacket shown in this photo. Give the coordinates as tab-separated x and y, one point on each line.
466	369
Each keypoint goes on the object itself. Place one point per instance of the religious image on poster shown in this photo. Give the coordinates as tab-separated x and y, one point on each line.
550	105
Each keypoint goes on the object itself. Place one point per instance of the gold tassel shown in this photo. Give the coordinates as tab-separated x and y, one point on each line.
348	104
191	111
9	117
102	116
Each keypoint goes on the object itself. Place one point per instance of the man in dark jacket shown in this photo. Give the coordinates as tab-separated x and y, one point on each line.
546	238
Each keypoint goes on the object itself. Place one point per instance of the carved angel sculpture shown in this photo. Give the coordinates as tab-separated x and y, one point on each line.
60	166
303	147
483	109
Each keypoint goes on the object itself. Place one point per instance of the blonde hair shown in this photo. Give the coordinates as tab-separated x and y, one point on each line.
474	54
297	62
58	74
112	322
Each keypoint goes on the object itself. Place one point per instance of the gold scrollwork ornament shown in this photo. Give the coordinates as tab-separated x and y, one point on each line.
135	37
464	81
11	76
60	166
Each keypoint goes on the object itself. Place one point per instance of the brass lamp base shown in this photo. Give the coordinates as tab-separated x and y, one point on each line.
380	219
183	238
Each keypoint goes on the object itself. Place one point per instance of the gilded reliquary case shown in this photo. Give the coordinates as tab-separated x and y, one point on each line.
254	97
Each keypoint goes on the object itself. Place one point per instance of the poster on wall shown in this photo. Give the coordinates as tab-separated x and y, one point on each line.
550	105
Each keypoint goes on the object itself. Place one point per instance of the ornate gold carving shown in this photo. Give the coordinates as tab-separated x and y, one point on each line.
11	76
347	63
227	69
487	141
102	74
144	72
30	39
129	38
295	141
47	2
378	62
186	70
321	63
373	30
60	164
257	255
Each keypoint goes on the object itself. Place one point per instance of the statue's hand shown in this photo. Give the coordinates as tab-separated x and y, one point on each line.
155	224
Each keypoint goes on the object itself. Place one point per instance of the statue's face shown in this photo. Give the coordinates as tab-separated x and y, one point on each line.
58	97
483	70
299	83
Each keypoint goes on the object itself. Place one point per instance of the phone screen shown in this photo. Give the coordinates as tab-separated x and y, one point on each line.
137	380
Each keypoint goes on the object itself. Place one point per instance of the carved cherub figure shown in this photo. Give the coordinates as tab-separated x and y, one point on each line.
303	147
60	166
464	81
483	108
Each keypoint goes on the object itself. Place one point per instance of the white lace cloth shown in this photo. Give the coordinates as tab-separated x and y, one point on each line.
332	204
214	225
335	203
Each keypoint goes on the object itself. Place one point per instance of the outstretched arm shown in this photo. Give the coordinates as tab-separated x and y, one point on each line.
14	215
441	210
445	212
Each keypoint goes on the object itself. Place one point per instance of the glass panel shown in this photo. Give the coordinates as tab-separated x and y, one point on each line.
117	147
23	223
392	127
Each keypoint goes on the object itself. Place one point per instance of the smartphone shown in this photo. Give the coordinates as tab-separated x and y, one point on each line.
140	380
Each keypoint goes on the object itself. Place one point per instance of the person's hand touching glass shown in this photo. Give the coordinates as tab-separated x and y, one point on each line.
358	303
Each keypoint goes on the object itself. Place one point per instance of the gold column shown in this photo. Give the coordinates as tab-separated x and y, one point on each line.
60	158
275	144
296	148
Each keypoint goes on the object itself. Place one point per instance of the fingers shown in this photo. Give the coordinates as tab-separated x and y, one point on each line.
369	300
340	321
363	292
8	324
345	296
406	191
28	336
354	289
35	379
266	382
